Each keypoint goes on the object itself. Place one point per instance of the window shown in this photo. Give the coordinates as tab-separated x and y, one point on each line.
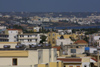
85	66
49	34
77	47
78	66
29	40
53	41
35	35
14	36
53	34
14	61
70	66
28	35
35	39
21	35
49	42
73	50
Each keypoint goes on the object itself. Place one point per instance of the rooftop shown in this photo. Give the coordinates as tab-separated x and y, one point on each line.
58	48
80	41
70	60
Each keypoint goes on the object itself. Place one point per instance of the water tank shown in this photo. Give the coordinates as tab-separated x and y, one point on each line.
87	48
6	46
39	45
32	46
46	44
20	46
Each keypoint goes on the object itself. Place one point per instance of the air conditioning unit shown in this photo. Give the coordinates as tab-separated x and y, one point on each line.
6	46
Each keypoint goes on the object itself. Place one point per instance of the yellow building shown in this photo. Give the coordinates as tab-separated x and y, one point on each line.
53	36
42	57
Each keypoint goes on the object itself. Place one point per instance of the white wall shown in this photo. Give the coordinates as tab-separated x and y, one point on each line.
13	35
96	37
92	50
85	63
47	55
78	51
32	59
53	54
64	41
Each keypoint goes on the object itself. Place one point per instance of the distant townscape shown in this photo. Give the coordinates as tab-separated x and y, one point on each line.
49	39
49	19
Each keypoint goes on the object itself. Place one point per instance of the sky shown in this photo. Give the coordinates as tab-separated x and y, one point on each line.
50	5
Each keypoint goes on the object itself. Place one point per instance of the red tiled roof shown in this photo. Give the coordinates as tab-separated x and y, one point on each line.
58	48
94	59
80	41
70	59
14	29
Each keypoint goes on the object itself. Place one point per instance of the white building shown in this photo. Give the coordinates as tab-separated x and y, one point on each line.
63	41
29	38
0	15
2	27
36	29
96	38
13	34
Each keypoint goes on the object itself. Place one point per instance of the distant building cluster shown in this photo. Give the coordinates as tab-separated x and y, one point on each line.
25	42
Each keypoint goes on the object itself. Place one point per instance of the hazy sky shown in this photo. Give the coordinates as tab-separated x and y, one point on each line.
50	5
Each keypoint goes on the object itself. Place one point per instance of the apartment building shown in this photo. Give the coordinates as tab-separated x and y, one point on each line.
2	27
10	35
29	38
4	38
17	35
13	34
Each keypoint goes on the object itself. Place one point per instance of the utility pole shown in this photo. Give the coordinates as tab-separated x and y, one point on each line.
98	58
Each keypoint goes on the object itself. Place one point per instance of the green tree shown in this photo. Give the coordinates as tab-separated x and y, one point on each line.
43	38
86	39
